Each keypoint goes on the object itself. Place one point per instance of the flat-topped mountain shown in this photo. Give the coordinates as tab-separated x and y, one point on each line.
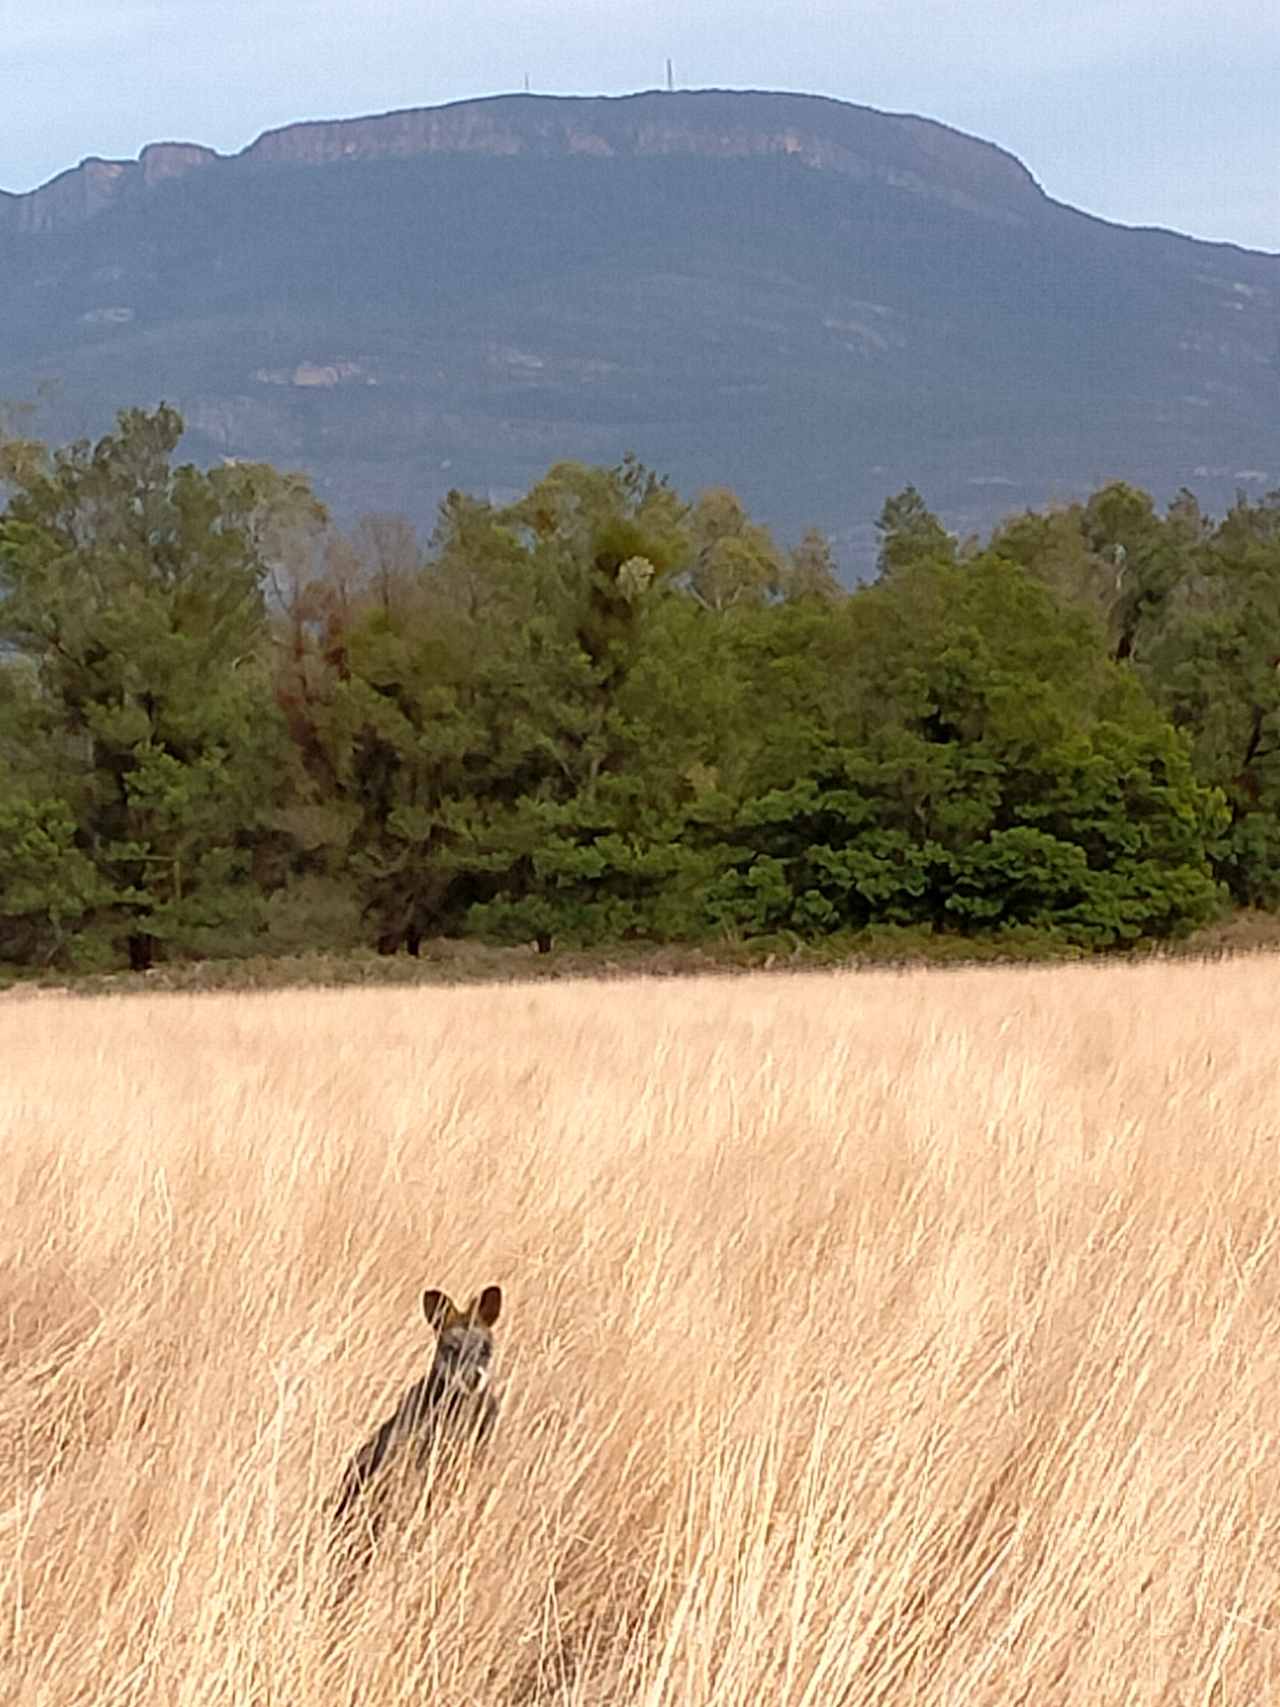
911	153
813	302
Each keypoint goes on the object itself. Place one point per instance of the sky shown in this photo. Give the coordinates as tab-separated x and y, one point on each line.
1148	112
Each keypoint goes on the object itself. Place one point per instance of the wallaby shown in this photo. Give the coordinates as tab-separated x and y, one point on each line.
452	1406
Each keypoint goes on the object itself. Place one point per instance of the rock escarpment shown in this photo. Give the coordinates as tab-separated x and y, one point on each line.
907	153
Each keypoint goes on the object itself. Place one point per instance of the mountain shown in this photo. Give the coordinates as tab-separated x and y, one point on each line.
812	302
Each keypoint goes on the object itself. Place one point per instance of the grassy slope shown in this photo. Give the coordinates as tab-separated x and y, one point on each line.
892	1338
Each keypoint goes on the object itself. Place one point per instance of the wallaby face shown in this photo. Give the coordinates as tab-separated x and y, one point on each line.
464	1341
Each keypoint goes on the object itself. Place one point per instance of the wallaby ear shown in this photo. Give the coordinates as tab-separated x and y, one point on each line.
486	1306
437	1307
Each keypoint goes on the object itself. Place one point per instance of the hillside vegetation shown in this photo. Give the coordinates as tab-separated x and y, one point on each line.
872	1340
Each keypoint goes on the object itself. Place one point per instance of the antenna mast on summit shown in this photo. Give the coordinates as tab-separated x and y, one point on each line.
670	81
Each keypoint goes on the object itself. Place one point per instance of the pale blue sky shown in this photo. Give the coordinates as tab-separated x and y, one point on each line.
1151	112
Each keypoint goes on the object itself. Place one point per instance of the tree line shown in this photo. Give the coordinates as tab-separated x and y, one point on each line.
604	713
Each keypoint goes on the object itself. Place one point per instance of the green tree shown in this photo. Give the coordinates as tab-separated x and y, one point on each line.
734	561
911	533
451	721
989	768
49	888
1214	663
599	714
811	573
1150	557
134	592
1052	545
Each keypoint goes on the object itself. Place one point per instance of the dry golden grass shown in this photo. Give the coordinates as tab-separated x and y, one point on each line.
869	1339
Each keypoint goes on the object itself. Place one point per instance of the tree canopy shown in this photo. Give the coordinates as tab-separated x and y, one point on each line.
606	712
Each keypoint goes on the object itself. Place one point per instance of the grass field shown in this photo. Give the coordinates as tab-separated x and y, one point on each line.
879	1338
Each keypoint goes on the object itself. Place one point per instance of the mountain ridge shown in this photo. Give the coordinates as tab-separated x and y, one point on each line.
98	181
507	125
812	302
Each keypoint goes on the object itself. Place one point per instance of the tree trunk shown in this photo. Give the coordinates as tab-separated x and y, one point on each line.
142	950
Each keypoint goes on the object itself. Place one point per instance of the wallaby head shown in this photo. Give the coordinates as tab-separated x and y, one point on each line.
464	1339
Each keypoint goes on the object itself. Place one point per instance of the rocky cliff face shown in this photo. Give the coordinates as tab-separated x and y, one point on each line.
79	194
853	142
912	154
